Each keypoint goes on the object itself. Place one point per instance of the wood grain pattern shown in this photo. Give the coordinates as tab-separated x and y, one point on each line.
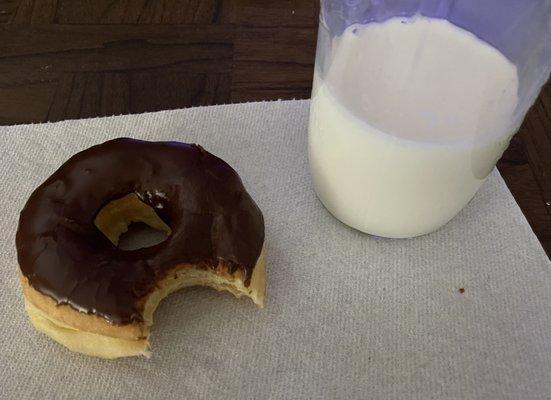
138	12
273	63
63	59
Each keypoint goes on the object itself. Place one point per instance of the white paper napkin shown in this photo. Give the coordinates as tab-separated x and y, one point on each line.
348	316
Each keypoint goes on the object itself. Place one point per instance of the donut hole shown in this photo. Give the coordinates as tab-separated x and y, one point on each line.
139	236
130	224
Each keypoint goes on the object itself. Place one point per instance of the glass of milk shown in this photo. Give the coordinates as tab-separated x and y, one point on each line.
414	102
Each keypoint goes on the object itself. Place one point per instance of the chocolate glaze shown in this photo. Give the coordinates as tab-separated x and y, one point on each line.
198	195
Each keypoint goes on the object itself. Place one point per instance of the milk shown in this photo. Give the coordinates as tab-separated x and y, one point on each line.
406	123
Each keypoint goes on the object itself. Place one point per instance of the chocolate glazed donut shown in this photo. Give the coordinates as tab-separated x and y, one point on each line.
71	267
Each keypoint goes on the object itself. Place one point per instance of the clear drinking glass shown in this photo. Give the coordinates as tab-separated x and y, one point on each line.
414	101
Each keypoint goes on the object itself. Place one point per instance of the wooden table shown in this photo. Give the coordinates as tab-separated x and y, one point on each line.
62	59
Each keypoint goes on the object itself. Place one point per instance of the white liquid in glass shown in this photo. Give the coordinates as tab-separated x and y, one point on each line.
407	122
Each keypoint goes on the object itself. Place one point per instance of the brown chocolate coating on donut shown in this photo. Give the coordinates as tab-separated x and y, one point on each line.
198	195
